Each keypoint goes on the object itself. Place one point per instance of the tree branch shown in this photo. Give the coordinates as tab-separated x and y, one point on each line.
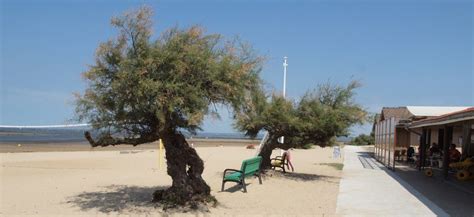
107	139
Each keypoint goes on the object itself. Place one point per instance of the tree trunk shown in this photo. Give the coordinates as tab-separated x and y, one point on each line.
266	152
185	168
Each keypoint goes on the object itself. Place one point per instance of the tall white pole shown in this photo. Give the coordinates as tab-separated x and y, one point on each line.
285	64
284	76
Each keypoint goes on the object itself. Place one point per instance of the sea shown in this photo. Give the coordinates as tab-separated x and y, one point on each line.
76	134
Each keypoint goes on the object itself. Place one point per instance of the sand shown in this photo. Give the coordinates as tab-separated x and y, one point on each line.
119	182
12	147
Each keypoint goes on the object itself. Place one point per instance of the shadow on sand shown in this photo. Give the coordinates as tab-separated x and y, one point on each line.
116	198
128	200
236	187
302	176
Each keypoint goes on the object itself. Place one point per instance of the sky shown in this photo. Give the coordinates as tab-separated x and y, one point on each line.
403	52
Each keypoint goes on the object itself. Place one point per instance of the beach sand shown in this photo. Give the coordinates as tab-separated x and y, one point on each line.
12	147
120	182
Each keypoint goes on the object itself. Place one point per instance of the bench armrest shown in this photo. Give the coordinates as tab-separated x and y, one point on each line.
277	158
231	170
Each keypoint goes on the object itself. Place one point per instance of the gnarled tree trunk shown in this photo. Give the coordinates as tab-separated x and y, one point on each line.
185	168
266	151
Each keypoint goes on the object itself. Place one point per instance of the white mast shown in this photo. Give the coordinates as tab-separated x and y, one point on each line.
285	64
284	76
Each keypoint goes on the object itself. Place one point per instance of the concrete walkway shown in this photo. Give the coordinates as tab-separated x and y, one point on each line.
368	189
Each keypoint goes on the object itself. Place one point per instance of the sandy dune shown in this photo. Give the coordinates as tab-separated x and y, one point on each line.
121	183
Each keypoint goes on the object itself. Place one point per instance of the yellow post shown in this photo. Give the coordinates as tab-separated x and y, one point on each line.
160	154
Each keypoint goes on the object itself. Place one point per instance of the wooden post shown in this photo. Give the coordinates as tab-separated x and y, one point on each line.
448	135
376	134
466	138
389	142
428	138
422	149
395	145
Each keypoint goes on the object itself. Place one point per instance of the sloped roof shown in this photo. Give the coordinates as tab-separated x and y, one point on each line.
396	112
417	112
462	115
430	111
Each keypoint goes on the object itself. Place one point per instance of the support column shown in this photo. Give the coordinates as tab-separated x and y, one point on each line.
466	138
448	135
422	149
428	138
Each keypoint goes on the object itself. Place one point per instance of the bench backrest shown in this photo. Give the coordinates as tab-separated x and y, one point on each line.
251	166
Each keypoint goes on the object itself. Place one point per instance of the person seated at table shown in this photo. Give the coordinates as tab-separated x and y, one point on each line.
454	154
410	154
434	149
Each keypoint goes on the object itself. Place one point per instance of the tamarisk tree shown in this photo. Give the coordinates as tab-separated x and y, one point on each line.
277	116
328	112
317	118
142	89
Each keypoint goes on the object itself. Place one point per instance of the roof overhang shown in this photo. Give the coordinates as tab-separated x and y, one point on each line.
432	111
460	116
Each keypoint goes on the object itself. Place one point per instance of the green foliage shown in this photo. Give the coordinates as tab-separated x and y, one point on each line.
140	88
363	139
276	115
328	112
318	118
307	146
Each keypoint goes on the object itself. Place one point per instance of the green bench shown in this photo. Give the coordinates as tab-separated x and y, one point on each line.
250	167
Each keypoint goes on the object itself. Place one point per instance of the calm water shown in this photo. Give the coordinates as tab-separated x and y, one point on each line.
17	135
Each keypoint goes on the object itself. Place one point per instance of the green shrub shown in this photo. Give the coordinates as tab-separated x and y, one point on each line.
307	146
337	166
363	139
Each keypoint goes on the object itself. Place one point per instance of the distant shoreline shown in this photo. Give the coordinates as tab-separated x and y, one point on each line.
13	147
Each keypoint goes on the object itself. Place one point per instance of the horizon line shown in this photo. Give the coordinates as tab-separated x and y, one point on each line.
45	126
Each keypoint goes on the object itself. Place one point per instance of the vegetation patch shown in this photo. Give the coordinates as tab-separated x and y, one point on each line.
250	146
363	139
307	146
337	166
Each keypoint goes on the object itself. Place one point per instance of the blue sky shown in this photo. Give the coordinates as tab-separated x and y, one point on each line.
404	52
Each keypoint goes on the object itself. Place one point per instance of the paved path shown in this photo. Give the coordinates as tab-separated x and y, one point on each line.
368	189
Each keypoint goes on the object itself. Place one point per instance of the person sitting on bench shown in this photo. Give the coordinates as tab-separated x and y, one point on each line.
410	154
434	149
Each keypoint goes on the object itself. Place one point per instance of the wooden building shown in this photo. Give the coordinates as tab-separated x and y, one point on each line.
393	134
452	128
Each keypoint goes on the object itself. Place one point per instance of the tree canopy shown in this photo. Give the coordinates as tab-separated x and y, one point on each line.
140	86
327	112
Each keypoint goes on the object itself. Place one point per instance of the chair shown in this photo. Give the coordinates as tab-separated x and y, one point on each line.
280	162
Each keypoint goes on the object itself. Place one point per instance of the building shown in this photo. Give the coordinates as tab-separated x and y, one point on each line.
452	128
393	134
